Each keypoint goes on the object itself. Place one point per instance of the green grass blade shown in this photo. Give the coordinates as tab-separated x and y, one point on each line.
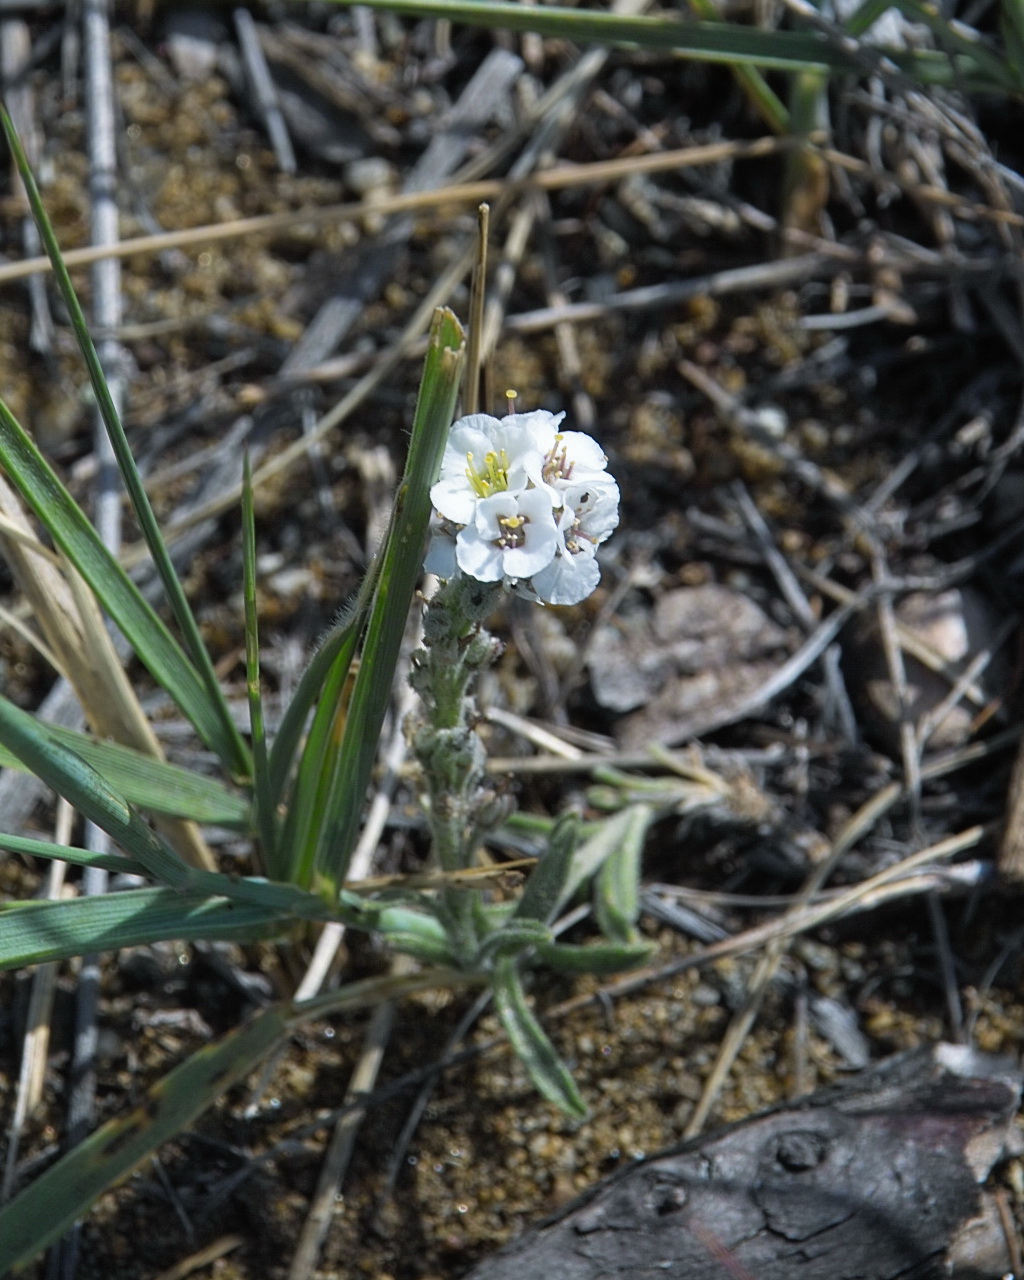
312	785
35	932
349	768
114	862
45	1209
227	741
765	100
88	792
72	532
721	42
960	47
264	805
151	784
339	646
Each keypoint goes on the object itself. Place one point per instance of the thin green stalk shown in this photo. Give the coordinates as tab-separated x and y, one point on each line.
229	743
967	64
264	809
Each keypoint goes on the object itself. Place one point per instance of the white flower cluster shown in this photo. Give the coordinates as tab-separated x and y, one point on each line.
520	502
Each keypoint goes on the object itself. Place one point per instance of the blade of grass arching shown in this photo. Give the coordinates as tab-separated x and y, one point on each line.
88	792
721	42
401	557
72	532
151	784
264	807
47	1207
229	744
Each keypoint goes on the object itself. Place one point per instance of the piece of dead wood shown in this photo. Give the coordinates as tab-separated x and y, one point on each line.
876	1180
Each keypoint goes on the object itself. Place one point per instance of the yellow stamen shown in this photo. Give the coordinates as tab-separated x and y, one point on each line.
493	478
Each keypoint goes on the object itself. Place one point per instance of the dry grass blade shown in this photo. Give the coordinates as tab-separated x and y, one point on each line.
465	194
72	625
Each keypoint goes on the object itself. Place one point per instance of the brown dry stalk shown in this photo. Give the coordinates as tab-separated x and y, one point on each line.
467	193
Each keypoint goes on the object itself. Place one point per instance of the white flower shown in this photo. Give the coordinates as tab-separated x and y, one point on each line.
519	501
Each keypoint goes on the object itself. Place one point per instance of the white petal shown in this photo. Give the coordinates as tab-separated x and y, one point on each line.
478	556
567	580
541	426
595	504
541	537
583	453
441	553
454	498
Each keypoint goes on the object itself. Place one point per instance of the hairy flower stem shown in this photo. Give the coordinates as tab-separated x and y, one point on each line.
445	741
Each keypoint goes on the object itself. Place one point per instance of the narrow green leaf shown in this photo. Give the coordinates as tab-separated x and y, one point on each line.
594	852
598	958
35	932
764	98
545	890
89	793
548	1072
617	884
153	785
969	65
225	740
114	862
338	648
72	532
46	1208
513	938
310	794
264	805
348	769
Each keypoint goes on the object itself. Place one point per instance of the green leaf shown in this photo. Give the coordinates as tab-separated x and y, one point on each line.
548	1072
968	63
71	531
35	932
604	843
333	657
114	862
47	1207
264	802
90	793
598	958
348	766
309	795
512	938
545	893
617	884
151	784
212	716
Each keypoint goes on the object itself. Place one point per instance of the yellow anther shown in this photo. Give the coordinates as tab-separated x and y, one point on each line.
493	478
